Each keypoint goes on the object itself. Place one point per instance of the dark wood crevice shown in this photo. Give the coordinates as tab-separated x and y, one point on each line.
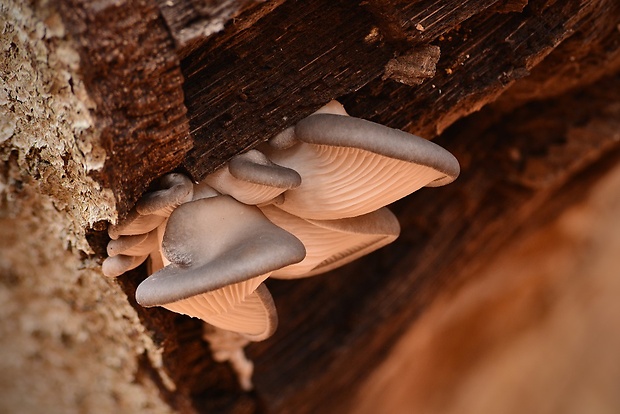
356	313
508	98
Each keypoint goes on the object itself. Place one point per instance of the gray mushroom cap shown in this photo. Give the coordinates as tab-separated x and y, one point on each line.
134	224
174	190
346	131
255	167
247	245
350	167
137	245
117	265
252	178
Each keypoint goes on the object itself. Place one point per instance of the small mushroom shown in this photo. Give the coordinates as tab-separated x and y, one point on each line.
174	190
137	245
333	243
253	179
117	265
351	166
134	224
220	251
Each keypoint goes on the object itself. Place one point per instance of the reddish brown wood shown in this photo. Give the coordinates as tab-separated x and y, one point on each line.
337	327
267	77
530	69
132	73
191	22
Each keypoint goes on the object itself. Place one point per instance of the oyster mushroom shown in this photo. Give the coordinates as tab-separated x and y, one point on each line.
135	237
252	178
128	252
174	190
135	224
117	265
220	252
333	243
137	245
350	166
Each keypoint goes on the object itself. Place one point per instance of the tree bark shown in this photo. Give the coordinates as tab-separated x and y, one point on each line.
523	93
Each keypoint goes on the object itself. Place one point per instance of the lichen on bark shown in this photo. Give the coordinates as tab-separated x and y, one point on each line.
45	125
69	340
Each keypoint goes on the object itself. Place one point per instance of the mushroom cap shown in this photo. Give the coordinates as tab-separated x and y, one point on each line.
333	243
175	189
345	131
252	178
254	316
215	242
350	167
134	224
286	138
203	190
136	245
254	167
117	265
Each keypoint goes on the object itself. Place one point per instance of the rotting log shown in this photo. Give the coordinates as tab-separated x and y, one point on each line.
532	65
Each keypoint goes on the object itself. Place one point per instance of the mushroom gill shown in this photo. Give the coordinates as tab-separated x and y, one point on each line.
333	243
351	166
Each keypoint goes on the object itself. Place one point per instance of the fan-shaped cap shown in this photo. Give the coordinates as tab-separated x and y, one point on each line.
333	243
174	190
215	242
252	178
351	166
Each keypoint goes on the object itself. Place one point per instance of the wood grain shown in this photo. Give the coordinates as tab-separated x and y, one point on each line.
528	70
132	73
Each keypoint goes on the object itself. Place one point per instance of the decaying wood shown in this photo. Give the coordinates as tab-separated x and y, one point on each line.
532	65
132	73
351	317
191	22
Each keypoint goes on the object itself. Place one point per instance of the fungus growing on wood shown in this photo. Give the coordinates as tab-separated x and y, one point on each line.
333	243
252	178
351	166
136	237
220	252
174	189
312	201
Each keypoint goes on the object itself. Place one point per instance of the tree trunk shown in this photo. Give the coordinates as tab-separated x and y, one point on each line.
99	99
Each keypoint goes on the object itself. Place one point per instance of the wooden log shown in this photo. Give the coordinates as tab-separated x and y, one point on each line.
336	327
269	68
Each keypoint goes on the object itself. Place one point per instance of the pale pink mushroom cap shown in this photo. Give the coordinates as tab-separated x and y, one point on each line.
333	243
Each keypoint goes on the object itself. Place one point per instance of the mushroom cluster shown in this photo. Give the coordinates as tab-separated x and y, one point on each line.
309	200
